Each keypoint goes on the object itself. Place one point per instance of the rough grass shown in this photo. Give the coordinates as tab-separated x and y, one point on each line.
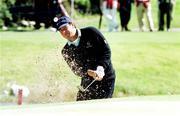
145	64
36	62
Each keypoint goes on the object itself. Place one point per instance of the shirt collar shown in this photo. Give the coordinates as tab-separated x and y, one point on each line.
76	42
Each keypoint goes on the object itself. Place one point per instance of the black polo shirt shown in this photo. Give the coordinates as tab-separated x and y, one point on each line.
92	51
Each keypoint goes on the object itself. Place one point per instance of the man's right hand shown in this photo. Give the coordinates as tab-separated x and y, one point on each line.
94	74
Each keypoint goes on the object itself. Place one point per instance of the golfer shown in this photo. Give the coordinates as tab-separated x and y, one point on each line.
88	55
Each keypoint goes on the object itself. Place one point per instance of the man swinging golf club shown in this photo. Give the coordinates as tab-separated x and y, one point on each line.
89	56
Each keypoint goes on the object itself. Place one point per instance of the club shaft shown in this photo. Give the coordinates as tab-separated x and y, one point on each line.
89	85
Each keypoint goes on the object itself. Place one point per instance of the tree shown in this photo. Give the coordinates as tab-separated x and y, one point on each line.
83	6
5	15
95	6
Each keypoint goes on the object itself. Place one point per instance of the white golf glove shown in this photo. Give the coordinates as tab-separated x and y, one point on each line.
100	71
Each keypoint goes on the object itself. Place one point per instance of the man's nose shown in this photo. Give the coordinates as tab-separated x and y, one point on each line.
64	31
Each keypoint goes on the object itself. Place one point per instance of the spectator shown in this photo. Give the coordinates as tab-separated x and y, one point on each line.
144	6
109	9
125	13
165	8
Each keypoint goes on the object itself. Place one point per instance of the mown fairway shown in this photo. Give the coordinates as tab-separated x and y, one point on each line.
145	63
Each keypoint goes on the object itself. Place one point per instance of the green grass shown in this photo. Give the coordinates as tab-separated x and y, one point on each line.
145	64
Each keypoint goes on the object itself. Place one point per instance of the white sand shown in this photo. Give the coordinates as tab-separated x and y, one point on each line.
110	107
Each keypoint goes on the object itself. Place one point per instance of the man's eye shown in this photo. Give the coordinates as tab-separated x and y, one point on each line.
62	29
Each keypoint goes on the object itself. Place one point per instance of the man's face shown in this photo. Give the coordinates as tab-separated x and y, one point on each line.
68	31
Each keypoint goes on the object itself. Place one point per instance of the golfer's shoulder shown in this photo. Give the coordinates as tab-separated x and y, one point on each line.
65	49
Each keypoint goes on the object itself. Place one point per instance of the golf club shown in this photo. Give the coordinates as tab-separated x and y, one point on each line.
92	74
85	89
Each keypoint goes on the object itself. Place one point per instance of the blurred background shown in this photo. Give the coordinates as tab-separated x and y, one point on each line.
38	13
17	14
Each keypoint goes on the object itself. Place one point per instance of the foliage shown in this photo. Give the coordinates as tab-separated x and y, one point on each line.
83	6
4	10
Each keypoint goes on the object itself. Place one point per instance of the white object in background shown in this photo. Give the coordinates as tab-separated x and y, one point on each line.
15	88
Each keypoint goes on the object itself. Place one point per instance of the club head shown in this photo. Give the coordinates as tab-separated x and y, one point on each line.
85	89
